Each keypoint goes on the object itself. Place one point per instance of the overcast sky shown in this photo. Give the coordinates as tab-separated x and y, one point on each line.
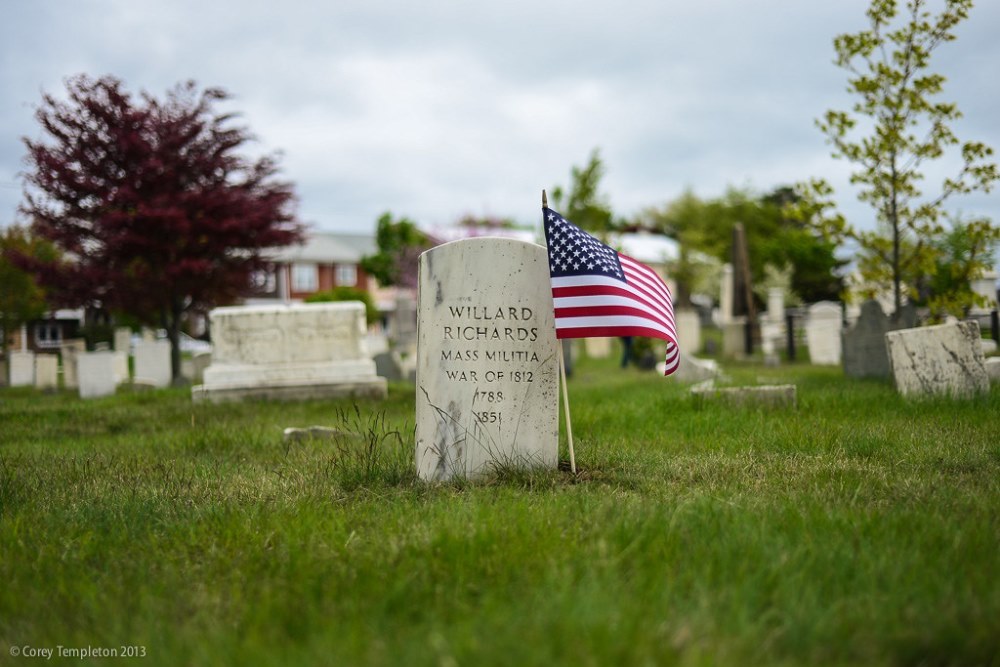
440	108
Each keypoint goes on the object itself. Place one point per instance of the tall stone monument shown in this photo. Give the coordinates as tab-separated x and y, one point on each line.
487	365
289	352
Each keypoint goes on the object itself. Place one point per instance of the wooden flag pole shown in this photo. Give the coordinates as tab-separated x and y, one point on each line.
562	376
569	423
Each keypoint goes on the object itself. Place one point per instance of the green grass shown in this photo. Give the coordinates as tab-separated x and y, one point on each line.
859	528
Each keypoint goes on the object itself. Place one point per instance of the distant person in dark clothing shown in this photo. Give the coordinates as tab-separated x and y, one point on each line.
626	350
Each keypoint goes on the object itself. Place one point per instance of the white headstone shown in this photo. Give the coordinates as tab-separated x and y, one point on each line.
945	359
487	368
289	352
22	368
46	371
69	351
152	362
734	338
688	329
121	366
123	340
96	374
823	333
776	304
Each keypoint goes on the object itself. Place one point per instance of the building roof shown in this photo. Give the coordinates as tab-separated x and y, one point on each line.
328	248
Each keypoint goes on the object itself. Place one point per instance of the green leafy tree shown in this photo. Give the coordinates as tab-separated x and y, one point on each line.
155	200
583	204
21	298
777	241
893	130
964	253
399	244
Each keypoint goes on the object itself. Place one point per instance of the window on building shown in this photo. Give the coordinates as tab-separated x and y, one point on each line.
264	281
347	275
47	335
305	278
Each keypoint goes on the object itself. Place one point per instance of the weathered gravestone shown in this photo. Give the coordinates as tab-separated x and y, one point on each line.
945	360
46	371
487	369
96	374
823	333
761	396
289	352
152	363
22	368
865	352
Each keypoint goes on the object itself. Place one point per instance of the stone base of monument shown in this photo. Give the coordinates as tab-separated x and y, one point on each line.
289	352
290	383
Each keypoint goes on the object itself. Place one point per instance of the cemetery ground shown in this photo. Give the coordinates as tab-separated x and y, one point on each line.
857	528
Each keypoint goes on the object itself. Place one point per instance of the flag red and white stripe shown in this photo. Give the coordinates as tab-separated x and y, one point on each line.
598	292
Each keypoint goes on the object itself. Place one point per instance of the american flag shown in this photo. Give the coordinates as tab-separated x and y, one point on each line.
599	292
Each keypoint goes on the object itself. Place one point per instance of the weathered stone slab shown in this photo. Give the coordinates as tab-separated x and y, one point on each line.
487	370
96	374
46	371
152	363
317	433
289	352
22	368
865	353
941	360
766	396
693	369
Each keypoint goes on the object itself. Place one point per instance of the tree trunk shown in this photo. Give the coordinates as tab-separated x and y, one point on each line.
894	221
173	326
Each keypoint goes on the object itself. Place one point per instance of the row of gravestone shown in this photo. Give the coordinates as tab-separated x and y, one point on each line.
486	367
92	374
942	359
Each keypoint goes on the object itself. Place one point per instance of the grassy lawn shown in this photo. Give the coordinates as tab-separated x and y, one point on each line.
858	528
